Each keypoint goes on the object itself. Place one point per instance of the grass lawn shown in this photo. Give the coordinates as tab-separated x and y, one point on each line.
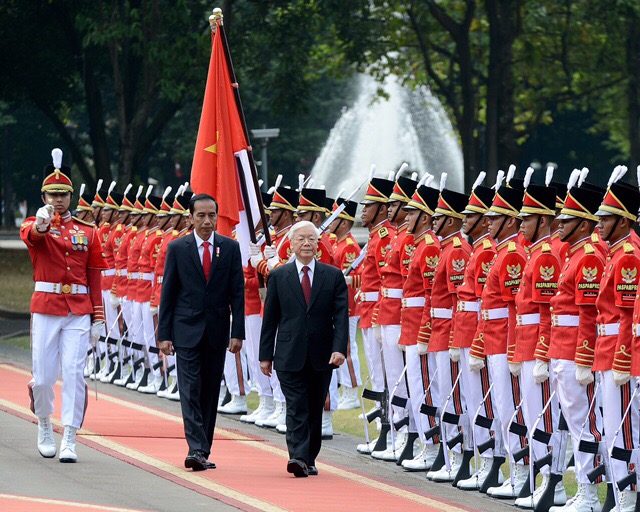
21	341
16	279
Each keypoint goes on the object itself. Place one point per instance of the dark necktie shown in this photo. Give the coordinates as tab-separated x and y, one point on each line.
306	284
206	260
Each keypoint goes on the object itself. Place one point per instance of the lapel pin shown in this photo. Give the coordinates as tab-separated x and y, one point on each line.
217	252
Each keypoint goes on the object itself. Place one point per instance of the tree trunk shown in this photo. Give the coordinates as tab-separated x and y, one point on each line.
8	219
467	121
633	88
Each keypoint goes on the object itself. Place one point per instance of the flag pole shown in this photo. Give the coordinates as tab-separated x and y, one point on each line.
215	20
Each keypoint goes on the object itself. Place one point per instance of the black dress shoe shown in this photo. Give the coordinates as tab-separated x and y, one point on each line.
211	465
196	460
312	471
298	468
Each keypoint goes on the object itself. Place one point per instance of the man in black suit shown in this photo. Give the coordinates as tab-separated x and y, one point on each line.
202	288
307	306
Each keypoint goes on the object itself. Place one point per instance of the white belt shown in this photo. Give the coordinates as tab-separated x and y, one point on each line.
608	329
495	314
73	289
159	280
369	296
441	313
565	320
392	293
121	273
468	305
108	273
413	302
132	275
636	329
145	276
530	319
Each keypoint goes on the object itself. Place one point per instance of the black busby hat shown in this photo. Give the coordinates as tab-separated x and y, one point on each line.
312	200
350	208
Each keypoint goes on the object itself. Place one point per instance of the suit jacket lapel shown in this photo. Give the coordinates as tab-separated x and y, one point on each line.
318	279
294	282
217	249
192	249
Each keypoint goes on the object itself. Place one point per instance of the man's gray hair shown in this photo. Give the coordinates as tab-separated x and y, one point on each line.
300	225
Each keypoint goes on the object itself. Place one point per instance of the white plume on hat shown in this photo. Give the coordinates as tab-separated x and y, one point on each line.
549	175
479	180
403	168
99	185
81	189
573	179
372	172
527	176
56	156
499	180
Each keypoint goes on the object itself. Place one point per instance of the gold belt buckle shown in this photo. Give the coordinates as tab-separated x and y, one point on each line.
485	315
66	288
404	302
384	292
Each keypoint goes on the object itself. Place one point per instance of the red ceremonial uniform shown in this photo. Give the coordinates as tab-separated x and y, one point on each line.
68	254
346	251
428	265
106	233
392	275
533	319
468	304
573	311
325	249
449	274
283	246
133	259
559	247
496	330
167	238
149	249
618	290
370	276
123	242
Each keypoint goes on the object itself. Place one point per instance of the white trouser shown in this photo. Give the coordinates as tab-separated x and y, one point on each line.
171	361
447	374
60	342
374	362
537	397
349	372
136	328
331	402
574	401
506	394
110	315
475	386
418	378
149	336
235	372
252	325
393	365
615	401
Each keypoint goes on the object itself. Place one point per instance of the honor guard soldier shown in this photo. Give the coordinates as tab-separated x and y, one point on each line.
495	335
618	289
426	249
374	217
346	252
312	207
538	285
84	210
98	203
449	275
476	384
66	307
573	337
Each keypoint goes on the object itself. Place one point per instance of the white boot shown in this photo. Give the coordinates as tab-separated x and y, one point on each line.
477	479
104	369
222	394
455	463
88	368
153	386
366	448
585	500
256	413
106	378
174	393
628	501
393	451
267	409
508	491
327	425
274	418
162	393
424	460
137	379
350	399
237	405
68	445
559	498
46	442
124	375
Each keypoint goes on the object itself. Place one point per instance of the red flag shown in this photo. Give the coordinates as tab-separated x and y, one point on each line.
220	135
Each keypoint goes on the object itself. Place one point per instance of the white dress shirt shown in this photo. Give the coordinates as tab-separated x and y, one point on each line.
312	267
200	241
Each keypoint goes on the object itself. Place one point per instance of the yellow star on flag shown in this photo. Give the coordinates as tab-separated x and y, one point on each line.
214	148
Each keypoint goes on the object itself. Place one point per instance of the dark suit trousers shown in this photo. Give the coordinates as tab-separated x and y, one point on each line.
199	375
305	392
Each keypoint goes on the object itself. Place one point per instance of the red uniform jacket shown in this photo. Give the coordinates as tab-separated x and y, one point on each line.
346	251
147	263
106	233
618	290
538	285
578	288
283	245
69	253
428	265
325	249
168	236
391	276
467	312
133	259
122	243
496	330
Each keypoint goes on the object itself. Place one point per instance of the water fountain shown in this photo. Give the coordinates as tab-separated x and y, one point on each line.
410	126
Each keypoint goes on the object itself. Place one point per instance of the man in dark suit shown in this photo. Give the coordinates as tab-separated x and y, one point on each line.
202	288
307	306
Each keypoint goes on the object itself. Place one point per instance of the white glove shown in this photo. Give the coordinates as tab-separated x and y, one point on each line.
254	249
515	369
115	301
454	354
620	378
44	216
540	372
423	348
94	333
377	333
273	262
154	310
402	348
476	364
255	259
348	280
584	375
269	251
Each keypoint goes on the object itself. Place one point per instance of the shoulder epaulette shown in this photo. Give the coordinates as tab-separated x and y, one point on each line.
106	224
486	244
594	238
428	239
175	232
83	222
628	248
383	232
546	247
588	248
512	247
119	227
349	241
333	236
134	229
457	242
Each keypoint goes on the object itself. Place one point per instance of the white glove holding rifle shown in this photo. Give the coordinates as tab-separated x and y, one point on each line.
94	333
44	216
584	375
256	254
114	300
476	364
540	372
